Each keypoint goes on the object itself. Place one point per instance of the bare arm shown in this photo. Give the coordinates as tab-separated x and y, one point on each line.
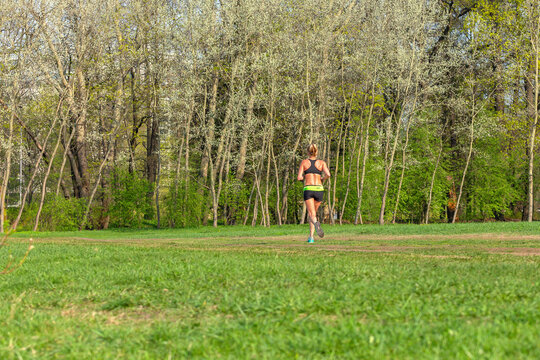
301	172
325	171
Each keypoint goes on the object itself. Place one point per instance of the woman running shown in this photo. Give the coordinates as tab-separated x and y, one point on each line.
310	172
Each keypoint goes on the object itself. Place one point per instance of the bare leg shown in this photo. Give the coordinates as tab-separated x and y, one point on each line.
317	226
317	204
312	216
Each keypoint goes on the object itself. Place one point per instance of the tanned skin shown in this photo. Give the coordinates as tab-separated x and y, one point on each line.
313	179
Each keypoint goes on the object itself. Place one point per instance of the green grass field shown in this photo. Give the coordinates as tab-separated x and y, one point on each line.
403	291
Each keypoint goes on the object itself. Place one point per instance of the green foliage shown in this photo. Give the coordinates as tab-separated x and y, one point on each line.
371	198
295	202
185	208
58	214
131	203
235	195
424	150
490	187
373	188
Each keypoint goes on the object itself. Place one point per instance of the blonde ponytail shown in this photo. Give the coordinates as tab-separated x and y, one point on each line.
312	150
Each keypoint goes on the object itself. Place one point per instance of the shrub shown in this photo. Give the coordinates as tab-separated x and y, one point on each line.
184	209
58	214
130	203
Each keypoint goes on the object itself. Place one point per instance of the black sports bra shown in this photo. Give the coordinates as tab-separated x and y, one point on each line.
312	169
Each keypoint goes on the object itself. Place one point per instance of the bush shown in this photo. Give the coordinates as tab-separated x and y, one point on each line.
235	195
130	203
184	209
58	214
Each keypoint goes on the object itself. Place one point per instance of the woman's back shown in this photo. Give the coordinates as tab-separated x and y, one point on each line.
313	169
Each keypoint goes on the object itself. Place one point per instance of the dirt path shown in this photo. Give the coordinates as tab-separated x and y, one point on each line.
421	245
521	251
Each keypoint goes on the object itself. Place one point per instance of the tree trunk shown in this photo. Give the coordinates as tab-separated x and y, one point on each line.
46	178
404	155
267	190
152	142
360	181
533	86
34	173
388	171
186	161
246	215
33	137
106	159
466	165
136	122
433	180
80	135
216	173
241	168
7	170
77	99
209	140
336	171
353	149
255	210
64	159
158	210
172	223
286	175
211	128
276	174
389	166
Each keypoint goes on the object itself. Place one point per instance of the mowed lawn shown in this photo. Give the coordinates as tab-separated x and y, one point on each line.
368	292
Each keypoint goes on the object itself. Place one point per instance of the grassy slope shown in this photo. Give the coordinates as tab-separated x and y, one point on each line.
193	297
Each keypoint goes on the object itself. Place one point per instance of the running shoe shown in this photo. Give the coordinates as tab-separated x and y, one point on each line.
319	229
310	240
